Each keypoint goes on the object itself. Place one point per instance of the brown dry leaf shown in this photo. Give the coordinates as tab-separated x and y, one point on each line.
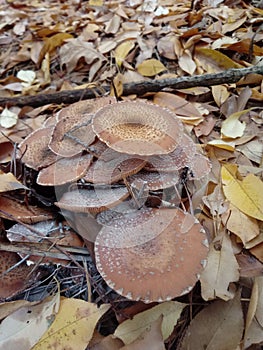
71	52
8	182
17	279
218	327
186	63
220	271
177	104
220	94
232	127
51	43
150	339
151	67
254	321
214	61
105	343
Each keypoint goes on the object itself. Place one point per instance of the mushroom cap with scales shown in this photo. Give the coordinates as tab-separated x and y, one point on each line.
152	255
138	128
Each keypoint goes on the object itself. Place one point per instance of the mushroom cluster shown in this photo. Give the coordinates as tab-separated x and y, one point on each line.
114	156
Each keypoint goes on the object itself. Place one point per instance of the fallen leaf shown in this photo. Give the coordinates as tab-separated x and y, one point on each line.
220	271
8	182
151	67
9	307
217	327
130	330
254	321
229	146
122	51
73	326
220	94
246	194
8	119
27	77
243	226
150	339
24	327
186	63
232	127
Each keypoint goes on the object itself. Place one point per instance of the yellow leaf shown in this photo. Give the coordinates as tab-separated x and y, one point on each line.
229	146
232	127
246	194
217	58
51	43
117	85
122	51
23	328
221	269
8	182
130	330
73	326
150	67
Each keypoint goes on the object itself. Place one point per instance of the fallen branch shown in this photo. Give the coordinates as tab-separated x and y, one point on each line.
138	88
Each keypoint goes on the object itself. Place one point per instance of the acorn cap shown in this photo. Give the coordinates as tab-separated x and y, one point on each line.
138	128
64	170
182	155
93	200
156	255
34	149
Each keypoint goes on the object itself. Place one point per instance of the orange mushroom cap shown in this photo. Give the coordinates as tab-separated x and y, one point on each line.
154	255
138	128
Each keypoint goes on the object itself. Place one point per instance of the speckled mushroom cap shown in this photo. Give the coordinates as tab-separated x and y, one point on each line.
182	155
154	181
138	128
34	149
108	172
155	255
64	170
73	131
92	200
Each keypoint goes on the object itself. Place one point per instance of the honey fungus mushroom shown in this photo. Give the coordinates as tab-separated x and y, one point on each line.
151	255
138	128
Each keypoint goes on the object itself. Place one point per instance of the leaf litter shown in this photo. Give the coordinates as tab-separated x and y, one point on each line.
73	45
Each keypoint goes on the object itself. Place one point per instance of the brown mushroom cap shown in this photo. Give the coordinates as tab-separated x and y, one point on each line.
34	149
108	172
73	132
182	155
138	128
154	181
64	170
93	200
152	260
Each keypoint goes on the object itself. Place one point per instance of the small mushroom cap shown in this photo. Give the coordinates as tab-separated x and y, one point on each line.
155	260
154	181
35	151
179	158
73	132
64	170
108	172
93	200
138	128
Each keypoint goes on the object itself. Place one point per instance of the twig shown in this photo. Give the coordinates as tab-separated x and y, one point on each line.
138	88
